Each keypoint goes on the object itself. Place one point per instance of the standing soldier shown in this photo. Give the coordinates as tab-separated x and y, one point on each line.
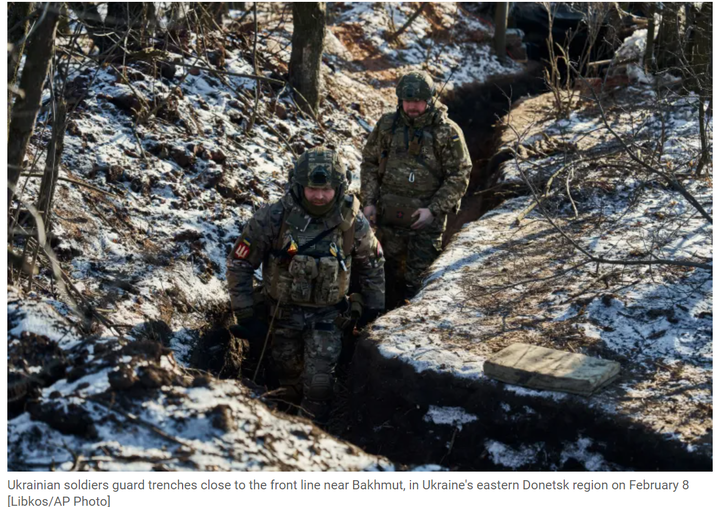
307	243
415	170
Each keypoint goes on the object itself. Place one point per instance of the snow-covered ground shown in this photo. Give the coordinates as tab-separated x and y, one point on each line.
149	253
177	172
502	281
132	407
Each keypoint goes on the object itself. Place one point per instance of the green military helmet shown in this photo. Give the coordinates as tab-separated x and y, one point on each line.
415	85
319	168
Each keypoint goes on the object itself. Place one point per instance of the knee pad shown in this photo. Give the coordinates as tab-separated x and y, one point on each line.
320	387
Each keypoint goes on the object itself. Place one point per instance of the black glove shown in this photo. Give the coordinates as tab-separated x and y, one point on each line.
250	330
248	326
368	315
356	306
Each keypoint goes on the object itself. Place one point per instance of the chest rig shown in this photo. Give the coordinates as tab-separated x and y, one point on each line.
409	166
310	262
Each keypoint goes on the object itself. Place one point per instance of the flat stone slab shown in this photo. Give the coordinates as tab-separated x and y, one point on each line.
554	370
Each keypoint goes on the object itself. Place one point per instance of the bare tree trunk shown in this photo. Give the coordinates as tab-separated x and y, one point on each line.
127	19
52	167
124	26
212	13
701	69
89	16
650	44
701	58
256	70
501	12
307	48
18	22
38	55
668	43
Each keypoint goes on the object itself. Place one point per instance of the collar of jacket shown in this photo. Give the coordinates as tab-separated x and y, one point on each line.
298	217
434	111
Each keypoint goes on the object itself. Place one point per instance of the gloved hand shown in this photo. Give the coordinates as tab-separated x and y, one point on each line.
356	306
247	326
243	314
368	315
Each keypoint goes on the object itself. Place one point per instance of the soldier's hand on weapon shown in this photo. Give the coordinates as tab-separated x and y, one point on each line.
370	213
424	218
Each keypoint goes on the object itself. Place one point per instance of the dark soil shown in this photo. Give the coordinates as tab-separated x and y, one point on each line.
388	400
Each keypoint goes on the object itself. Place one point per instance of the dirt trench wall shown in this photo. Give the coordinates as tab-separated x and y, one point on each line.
390	400
478	110
514	428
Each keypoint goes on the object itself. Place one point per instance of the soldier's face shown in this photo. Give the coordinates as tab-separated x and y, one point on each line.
319	196
414	108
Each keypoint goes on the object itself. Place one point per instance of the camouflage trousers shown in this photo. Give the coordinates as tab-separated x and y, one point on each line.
409	253
305	348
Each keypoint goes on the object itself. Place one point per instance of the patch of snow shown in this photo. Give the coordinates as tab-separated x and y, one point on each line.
453	416
506	456
592	461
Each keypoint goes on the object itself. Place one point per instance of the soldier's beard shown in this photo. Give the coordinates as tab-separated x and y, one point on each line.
417	119
318	210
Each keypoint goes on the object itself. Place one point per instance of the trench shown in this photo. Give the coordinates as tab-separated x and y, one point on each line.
381	404
387	399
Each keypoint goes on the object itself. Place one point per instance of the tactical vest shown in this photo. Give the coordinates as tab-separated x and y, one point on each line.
309	264
409	166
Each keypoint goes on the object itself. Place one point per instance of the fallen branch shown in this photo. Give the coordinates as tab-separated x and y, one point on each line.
75	182
409	22
590	256
225	72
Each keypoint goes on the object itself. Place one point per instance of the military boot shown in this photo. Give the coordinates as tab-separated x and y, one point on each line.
318	411
318	398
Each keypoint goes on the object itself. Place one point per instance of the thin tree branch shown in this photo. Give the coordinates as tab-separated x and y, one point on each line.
581	249
672	180
409	22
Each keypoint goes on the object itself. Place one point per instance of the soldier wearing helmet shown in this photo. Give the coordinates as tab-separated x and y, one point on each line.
307	243
415	169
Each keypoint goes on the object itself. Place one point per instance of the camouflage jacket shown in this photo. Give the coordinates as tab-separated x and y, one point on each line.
300	275
427	159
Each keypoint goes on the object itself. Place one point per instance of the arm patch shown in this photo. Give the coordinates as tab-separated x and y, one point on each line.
242	250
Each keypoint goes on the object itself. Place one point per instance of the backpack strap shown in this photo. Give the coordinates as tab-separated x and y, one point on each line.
385	152
347	226
277	245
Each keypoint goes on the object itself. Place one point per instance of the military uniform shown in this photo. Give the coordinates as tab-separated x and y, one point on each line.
306	263
410	163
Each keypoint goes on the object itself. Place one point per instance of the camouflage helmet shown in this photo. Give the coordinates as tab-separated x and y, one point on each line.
319	168
415	85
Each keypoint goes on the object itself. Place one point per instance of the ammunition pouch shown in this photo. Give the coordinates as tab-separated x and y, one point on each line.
396	211
310	281
303	271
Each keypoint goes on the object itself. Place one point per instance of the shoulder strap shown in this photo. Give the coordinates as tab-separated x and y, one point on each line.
283	229
347	226
396	117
